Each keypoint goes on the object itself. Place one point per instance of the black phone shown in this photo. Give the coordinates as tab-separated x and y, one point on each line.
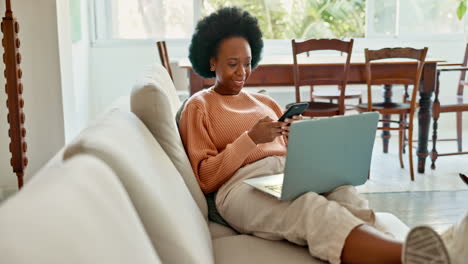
295	109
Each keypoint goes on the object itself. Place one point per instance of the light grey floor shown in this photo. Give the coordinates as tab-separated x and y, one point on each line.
438	209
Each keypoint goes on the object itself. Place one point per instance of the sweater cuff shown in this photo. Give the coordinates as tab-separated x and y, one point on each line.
244	146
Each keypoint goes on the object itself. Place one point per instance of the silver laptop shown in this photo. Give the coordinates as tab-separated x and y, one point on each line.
323	154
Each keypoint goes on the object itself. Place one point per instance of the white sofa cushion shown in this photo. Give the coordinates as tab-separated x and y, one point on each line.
154	100
76	213
169	214
251	250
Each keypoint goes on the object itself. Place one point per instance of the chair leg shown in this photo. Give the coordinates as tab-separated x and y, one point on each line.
406	95
434	140
459	130
435	118
311	93
400	143
405	116
387	94
410	151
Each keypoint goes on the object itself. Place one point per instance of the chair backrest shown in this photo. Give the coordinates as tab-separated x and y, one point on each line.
403	77
318	77
164	56
463	81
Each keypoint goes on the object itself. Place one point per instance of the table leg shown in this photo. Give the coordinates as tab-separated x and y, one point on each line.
424	118
387	95
424	115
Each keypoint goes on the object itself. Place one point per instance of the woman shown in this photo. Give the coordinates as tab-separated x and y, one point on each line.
231	135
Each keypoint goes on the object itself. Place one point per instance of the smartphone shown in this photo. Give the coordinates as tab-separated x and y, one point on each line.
295	109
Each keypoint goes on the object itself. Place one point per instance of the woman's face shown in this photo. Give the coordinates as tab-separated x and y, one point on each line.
231	65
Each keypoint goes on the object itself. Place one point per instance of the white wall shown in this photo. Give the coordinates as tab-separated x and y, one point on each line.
74	64
113	72
66	65
42	88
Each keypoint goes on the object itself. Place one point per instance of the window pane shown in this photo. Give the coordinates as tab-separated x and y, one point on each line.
383	17
152	18
429	16
286	19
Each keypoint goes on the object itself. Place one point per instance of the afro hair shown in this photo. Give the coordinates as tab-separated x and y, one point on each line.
211	30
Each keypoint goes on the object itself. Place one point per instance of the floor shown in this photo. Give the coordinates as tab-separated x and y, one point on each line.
432	206
438	209
387	176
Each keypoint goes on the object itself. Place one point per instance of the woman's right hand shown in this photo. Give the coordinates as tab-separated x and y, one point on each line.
266	130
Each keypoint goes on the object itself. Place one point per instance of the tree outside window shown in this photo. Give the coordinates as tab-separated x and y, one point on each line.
303	19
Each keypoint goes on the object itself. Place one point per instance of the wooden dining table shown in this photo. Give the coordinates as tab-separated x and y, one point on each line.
274	71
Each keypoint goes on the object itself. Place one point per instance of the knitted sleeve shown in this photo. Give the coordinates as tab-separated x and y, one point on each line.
211	167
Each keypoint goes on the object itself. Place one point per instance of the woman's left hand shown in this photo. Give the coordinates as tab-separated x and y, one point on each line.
289	121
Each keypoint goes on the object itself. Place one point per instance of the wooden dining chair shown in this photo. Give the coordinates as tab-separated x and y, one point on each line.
457	105
164	56
332	95
318	77
388	78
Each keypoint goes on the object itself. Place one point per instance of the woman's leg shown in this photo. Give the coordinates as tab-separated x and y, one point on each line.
330	230
365	244
348	197
308	220
423	245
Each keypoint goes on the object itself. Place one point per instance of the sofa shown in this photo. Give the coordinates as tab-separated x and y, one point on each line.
123	191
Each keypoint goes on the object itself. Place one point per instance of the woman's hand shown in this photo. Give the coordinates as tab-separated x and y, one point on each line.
288	122
266	130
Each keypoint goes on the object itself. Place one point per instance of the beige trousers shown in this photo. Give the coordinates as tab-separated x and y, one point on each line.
320	221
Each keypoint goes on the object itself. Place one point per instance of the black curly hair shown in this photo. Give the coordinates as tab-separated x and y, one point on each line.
211	30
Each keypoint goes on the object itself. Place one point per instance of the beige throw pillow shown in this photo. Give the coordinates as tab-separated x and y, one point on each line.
154	100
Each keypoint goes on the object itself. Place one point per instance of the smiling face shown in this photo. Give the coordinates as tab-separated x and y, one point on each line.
231	65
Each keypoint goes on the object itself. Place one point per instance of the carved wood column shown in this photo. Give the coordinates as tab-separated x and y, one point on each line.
14	90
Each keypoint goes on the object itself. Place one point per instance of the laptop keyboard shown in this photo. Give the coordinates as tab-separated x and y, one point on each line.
275	188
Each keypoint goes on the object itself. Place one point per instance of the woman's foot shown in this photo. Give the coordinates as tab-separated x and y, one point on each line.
424	246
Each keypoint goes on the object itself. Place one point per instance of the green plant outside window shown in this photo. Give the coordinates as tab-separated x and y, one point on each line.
461	9
286	19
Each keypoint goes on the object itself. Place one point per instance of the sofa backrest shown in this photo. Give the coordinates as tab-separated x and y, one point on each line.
154	100
172	219
76	213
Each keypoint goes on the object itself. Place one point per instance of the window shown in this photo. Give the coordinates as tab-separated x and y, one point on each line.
280	19
437	17
286	19
382	17
412	17
144	19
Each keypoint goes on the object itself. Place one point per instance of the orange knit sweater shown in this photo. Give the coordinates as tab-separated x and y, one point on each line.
214	132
